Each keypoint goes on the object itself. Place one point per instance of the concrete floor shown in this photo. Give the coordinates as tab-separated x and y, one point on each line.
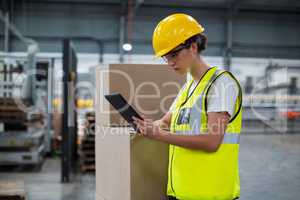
45	185
269	168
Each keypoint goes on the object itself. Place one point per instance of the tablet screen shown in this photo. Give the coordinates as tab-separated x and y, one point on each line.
121	105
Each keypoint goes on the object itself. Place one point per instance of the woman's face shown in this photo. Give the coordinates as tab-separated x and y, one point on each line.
180	59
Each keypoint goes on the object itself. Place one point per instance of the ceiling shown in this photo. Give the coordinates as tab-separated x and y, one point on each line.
271	5
276	5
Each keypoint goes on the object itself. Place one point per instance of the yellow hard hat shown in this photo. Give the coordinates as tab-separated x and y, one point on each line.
172	31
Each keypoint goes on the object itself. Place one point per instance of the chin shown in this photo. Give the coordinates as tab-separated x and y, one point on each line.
182	72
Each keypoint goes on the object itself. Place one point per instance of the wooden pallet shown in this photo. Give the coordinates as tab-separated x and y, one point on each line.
87	146
89	133
10	116
87	168
12	190
13	113
88	139
9	101
86	149
90	114
9	108
87	161
86	153
89	123
90	119
89	128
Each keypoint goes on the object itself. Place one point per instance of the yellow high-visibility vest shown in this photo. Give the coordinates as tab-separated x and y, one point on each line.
195	174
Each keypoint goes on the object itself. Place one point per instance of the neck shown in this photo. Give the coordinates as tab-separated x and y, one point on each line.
199	68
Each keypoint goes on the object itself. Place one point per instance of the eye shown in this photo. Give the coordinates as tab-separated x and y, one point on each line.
173	55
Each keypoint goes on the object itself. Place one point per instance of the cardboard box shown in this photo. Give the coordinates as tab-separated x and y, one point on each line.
128	166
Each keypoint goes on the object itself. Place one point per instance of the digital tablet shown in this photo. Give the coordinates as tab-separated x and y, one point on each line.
121	105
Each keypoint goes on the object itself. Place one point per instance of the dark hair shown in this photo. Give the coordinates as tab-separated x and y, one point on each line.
201	41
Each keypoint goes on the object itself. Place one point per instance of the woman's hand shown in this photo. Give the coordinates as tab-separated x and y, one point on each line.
147	127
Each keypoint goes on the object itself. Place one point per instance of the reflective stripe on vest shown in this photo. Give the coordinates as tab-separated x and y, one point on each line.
195	122
229	138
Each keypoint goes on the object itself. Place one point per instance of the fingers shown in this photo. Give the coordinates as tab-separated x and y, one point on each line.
135	119
144	122
142	130
145	126
148	121
139	124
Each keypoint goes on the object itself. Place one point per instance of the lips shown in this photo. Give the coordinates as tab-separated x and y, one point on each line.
175	67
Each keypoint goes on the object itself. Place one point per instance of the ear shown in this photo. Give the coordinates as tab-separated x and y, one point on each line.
194	48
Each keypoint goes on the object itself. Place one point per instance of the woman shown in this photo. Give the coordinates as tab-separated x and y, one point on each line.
204	120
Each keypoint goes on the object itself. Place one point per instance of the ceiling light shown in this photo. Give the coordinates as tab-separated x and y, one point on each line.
127	47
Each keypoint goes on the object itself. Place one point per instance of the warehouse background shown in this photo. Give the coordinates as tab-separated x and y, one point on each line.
264	29
259	41
238	29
